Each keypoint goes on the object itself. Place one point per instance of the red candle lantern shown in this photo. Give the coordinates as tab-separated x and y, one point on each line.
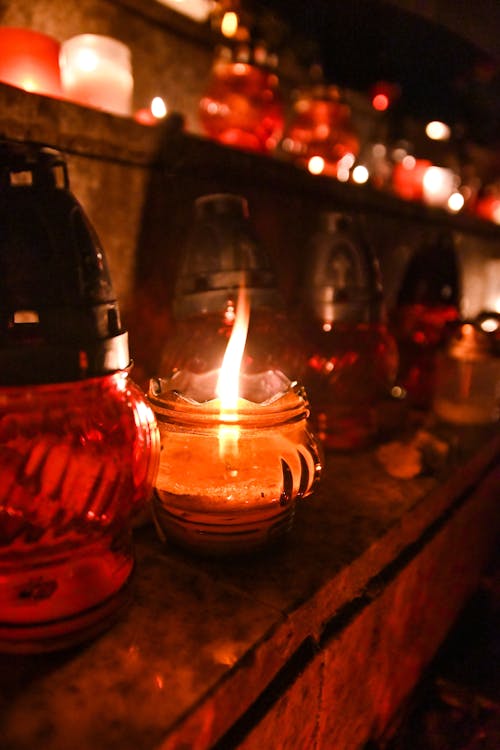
321	127
352	358
242	106
78	443
488	207
30	61
428	303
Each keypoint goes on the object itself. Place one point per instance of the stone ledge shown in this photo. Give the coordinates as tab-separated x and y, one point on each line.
96	135
214	652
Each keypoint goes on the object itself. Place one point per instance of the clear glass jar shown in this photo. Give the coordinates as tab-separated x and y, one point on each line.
427	309
30	60
468	379
77	463
351	369
227	486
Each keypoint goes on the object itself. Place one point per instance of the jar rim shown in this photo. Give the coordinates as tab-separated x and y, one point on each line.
171	405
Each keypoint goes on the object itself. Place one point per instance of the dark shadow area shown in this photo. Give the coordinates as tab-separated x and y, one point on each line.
457	705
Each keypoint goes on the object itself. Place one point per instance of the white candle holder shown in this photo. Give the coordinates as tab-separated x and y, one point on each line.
96	71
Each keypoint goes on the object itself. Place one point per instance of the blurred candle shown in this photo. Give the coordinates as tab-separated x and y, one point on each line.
438	185
408	177
30	61
96	72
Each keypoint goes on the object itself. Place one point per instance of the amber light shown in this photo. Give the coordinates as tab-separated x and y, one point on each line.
229	24
153	114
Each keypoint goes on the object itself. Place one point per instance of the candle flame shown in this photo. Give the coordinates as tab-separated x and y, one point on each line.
228	383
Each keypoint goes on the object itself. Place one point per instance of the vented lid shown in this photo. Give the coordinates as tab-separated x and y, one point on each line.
59	317
343	279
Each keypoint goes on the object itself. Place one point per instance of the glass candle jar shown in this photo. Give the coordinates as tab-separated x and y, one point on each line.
30	60
228	485
242	106
96	72
352	358
468	379
77	462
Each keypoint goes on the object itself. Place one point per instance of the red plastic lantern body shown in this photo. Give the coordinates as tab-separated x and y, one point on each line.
321	127
78	443
75	465
30	61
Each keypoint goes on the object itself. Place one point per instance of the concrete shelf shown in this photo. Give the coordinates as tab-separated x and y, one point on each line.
315	643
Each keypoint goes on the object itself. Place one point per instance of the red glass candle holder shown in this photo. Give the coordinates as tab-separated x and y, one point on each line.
321	127
242	106
30	61
77	462
352	358
351	370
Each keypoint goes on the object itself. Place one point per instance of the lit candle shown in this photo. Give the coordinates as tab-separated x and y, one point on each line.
30	61
96	72
236	452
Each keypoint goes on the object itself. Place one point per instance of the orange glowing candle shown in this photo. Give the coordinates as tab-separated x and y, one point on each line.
236	452
30	61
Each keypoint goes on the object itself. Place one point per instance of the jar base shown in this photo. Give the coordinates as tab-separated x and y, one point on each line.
220	534
62	603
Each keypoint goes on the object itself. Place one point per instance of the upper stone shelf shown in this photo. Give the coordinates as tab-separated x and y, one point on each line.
91	133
